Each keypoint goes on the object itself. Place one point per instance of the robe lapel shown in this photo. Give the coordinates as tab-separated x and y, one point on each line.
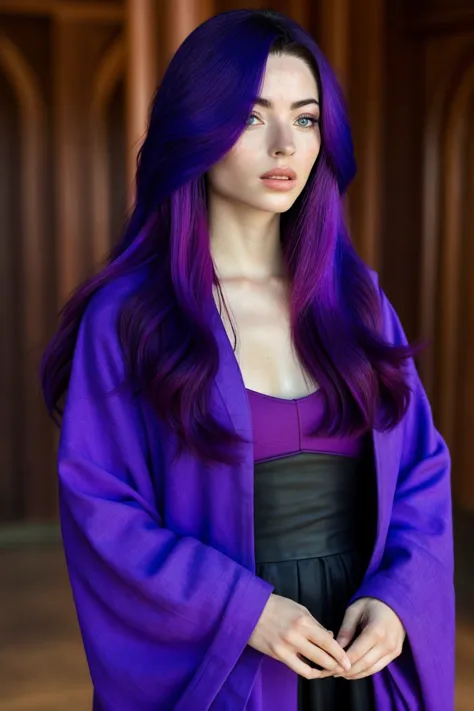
229	381
387	448
234	403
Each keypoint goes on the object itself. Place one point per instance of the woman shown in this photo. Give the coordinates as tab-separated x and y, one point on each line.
270	528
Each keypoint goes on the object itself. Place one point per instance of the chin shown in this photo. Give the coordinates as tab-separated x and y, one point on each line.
279	205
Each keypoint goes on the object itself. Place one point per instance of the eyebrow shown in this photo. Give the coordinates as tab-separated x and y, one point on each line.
260	101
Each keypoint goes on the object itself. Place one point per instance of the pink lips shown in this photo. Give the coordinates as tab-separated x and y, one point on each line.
275	172
282	184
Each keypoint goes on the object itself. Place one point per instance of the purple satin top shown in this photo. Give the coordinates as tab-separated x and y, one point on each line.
282	426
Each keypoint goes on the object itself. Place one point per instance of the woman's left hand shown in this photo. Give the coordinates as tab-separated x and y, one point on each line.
380	639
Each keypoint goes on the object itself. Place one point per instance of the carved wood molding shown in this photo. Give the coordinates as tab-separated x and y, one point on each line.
92	12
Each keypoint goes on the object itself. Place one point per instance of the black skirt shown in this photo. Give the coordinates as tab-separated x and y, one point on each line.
312	524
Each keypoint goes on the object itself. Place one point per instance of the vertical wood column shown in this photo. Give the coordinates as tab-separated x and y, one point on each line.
181	18
334	39
141	33
334	36
69	194
79	47
151	29
366	102
300	11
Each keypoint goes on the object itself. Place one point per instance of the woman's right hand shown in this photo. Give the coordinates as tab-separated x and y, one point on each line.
286	629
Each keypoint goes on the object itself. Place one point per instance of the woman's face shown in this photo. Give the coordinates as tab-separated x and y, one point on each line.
276	136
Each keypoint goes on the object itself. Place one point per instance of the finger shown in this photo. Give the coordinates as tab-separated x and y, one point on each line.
317	655
378	666
350	623
297	665
367	661
323	627
325	674
367	639
329	645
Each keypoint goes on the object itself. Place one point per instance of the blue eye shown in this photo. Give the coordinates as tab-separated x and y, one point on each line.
312	119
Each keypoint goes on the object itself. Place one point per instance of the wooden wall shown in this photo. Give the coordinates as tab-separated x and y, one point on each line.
408	71
62	202
427	254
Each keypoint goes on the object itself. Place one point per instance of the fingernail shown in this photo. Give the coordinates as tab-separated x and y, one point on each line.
346	663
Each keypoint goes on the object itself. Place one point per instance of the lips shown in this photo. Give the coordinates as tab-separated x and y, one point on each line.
281	173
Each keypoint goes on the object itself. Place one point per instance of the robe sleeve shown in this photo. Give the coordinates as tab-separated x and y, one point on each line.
415	576
155	610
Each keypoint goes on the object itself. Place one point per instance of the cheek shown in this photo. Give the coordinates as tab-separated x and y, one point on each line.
231	178
311	154
238	166
243	156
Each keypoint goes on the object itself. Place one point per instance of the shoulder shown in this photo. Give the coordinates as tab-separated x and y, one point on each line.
100	318
98	353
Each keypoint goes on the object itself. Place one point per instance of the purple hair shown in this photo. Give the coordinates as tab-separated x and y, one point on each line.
199	111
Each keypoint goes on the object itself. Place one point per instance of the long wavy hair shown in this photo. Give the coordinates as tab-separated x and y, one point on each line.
198	112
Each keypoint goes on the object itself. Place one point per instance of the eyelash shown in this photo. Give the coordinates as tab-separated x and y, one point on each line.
313	120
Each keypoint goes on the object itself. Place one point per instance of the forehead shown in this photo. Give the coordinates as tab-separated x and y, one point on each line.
288	79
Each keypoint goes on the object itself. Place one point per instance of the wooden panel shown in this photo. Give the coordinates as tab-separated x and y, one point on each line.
365	93
27	273
453	208
442	60
441	16
11	472
448	65
109	170
78	50
399	263
82	10
115	121
27	445
463	451
32	37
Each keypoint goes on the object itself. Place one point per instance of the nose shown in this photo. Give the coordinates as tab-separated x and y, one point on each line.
286	150
282	143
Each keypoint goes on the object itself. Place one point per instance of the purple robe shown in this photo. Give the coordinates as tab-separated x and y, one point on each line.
161	556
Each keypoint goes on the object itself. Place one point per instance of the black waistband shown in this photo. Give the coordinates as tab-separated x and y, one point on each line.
306	506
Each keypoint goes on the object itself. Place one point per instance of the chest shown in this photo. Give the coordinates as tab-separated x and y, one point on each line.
257	323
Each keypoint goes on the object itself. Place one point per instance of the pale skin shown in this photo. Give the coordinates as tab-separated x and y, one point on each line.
244	228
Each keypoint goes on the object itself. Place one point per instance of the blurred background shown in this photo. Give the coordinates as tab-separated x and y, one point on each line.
76	79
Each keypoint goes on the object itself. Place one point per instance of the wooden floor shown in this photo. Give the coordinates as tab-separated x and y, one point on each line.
42	665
